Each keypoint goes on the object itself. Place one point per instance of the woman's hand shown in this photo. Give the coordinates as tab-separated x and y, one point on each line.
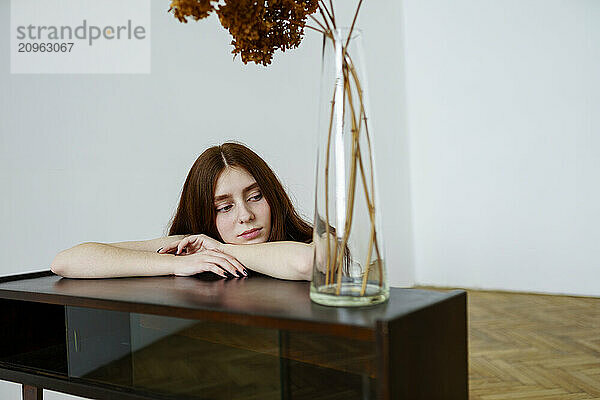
191	244
209	260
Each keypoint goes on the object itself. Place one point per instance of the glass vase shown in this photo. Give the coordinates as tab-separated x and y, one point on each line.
348	264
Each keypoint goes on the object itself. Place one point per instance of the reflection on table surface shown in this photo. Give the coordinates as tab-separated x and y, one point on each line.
256	296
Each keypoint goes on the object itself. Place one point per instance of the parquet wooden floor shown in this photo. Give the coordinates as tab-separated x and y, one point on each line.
534	347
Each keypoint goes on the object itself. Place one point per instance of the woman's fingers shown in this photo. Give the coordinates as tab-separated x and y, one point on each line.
194	245
211	260
227	266
189	245
223	263
234	261
217	270
169	248
204	266
182	245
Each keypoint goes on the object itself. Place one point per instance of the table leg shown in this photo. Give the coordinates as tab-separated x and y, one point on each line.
32	392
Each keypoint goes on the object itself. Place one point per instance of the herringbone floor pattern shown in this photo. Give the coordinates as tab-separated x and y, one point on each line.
534	347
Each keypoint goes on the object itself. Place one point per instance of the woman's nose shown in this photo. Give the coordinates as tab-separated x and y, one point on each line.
245	214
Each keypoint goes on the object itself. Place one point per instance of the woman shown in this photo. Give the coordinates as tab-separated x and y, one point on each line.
233	215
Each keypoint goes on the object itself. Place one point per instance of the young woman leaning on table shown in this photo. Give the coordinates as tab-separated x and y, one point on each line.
233	216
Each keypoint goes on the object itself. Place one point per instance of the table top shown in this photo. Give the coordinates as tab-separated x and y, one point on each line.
254	300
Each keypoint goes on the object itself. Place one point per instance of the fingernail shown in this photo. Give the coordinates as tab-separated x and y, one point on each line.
158	251
244	272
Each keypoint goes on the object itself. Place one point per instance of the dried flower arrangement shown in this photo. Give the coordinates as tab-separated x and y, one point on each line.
258	29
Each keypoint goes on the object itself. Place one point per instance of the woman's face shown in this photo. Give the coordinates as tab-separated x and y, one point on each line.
243	214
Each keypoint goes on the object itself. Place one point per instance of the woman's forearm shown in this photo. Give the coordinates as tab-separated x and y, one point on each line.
284	260
99	260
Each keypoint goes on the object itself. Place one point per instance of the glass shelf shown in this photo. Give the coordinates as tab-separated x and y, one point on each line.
201	359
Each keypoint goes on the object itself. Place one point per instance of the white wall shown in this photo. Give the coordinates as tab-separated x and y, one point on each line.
503	100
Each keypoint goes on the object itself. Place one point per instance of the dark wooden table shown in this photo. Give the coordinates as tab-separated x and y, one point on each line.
205	338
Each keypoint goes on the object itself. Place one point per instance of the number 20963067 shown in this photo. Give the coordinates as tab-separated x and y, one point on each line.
45	47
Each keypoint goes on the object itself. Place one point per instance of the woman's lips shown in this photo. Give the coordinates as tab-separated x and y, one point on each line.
252	234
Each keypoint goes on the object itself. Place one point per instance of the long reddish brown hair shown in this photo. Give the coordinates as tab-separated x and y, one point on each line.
196	211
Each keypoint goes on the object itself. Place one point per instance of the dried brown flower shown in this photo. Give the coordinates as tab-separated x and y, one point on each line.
258	27
261	27
196	9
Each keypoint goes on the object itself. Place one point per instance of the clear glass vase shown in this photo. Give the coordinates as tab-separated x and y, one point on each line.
348	265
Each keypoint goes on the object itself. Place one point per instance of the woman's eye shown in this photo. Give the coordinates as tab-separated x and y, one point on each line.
257	197
224	209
